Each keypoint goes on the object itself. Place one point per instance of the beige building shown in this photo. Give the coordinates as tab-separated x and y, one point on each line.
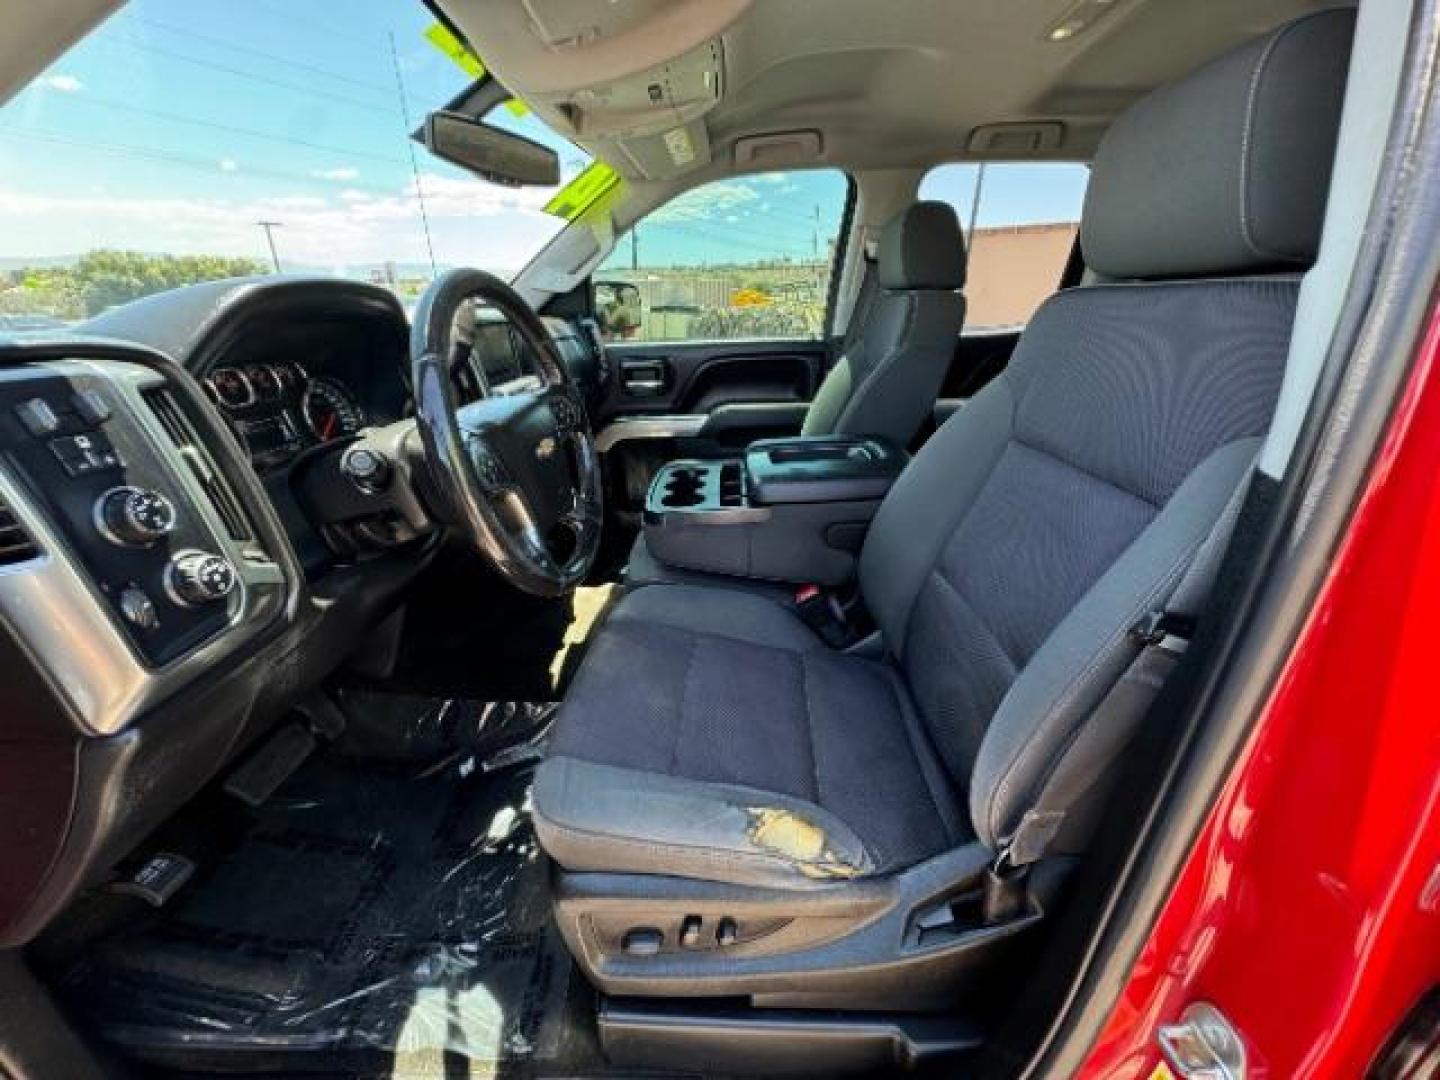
1012	270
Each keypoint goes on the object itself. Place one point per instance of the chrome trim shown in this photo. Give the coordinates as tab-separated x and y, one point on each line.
231	406
648	427
68	629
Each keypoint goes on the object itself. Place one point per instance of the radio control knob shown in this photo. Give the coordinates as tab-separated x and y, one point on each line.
199	577
134	517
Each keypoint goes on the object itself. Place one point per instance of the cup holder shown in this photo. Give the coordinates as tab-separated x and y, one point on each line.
684	487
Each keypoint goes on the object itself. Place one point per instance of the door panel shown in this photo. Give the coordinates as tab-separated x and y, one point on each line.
666	400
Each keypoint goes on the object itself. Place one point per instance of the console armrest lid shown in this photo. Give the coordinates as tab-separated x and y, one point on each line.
821	468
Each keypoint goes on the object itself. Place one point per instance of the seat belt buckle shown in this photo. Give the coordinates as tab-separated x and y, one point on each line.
822	612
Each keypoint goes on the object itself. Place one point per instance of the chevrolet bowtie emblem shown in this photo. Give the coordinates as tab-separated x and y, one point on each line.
545	448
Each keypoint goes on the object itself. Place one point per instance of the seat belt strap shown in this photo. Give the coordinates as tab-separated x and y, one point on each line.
1162	635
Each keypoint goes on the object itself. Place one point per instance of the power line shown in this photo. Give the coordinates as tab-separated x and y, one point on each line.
211	65
224	43
329	29
410	146
107	103
204	164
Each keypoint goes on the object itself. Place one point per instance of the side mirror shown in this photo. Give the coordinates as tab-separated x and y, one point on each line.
502	157
617	308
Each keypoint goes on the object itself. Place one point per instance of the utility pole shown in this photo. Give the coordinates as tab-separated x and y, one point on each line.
270	227
410	146
975	204
635	248
815	235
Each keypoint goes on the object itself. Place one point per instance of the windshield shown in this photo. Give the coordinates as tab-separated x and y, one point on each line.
185	140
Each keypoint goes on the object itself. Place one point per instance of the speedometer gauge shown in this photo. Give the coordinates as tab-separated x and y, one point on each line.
330	410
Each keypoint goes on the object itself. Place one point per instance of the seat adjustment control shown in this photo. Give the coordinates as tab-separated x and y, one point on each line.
690	931
134	517
642	941
199	577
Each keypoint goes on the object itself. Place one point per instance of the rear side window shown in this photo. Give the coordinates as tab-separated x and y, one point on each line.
1020	222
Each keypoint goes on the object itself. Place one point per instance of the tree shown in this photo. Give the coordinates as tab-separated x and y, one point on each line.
102	279
107	278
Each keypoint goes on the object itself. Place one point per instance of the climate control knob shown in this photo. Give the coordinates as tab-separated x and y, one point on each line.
134	517
199	577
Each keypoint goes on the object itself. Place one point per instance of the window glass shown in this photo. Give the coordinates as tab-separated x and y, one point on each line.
1020	222
748	257
185	140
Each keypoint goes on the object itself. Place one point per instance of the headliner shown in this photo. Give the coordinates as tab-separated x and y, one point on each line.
887	83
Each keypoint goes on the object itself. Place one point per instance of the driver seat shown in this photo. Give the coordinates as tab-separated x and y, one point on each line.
737	810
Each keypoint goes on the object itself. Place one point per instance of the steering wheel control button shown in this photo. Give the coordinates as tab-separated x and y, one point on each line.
199	577
38	417
138	609
566	413
367	469
134	517
643	941
488	469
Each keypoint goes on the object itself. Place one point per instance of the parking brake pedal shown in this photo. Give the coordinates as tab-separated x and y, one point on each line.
262	773
158	879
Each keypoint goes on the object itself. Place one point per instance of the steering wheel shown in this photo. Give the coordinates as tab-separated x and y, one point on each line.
518	470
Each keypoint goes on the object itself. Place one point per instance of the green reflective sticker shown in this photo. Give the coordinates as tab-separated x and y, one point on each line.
440	36
578	196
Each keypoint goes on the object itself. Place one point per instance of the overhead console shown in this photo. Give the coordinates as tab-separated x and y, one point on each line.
650	71
793	510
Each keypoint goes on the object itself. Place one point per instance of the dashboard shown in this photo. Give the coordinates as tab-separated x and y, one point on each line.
166	592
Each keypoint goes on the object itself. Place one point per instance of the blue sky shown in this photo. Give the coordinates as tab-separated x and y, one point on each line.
180	123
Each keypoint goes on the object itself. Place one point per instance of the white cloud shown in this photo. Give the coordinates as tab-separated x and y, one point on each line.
471	222
344	173
228	165
66	84
705	203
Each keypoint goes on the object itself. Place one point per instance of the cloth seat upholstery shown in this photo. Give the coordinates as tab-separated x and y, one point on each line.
1013	556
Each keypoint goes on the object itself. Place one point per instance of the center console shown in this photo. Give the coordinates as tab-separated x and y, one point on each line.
793	510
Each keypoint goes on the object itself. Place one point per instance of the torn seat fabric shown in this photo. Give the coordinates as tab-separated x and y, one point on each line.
712	735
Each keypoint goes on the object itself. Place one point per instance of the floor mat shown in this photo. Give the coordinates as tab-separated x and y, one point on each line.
387	920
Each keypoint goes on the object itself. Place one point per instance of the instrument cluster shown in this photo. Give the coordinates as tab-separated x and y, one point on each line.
278	409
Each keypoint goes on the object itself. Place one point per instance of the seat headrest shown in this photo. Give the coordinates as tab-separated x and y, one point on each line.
1227	170
922	248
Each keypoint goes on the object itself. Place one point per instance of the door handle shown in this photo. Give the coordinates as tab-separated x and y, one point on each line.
643	378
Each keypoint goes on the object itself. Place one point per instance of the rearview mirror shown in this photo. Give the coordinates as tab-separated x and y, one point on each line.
502	157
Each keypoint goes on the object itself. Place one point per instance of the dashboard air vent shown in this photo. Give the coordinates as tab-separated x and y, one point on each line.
167	410
16	543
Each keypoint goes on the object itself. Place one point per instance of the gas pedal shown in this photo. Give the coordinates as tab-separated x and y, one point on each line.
261	774
158	878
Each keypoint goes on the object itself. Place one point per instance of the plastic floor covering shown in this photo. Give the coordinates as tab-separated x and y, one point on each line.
374	919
